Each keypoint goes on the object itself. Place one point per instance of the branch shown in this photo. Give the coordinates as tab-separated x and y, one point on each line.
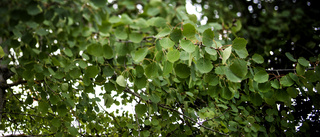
166	107
24	135
132	93
21	114
144	39
114	118
218	116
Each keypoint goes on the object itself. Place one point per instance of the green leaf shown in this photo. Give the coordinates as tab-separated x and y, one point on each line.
300	69
210	51
283	96
257	58
173	55
293	92
226	54
43	107
182	70
136	37
239	68
92	71
1	52
303	62
126	19
34	9
140	82
108	100
242	53
56	122
155	99
95	49
38	68
189	31
105	27
73	131
231	76
166	43
264	87
237	26
64	86
176	35
54	99
294	77
107	51
286	81
68	52
290	57
28	75
160	22
42	32
220	70
204	65
153	11
213	91
239	43
207	37
193	18
251	119
261	76
114	19
146	133
121	81
256	99
36	51
140	109
167	68
166	31
139	71
151	70
226	93
142	23
29	100
75	73
140	54
99	3
269	118
187	45
121	33
275	84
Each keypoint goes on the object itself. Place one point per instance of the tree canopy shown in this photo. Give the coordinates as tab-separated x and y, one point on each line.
250	70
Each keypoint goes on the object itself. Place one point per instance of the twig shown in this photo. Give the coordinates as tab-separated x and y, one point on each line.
218	116
21	114
164	106
114	118
137	120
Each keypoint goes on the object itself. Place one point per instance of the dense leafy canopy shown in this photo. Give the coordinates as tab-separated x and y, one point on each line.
185	78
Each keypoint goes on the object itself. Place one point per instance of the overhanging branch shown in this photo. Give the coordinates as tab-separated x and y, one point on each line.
166	107
171	109
22	114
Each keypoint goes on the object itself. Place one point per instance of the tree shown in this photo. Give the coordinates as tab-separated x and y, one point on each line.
186	78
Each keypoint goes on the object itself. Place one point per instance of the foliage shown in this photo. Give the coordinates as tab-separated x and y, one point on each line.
280	31
186	78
